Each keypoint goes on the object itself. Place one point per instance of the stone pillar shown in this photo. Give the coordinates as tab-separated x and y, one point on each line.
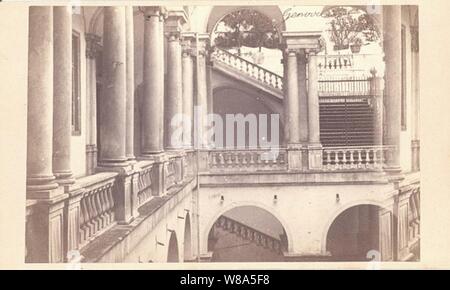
92	48
314	146
173	102
201	102
40	179
376	91
188	91
129	27
291	104
393	83
45	241
302	98
62	93
113	111
113	102
415	104
153	99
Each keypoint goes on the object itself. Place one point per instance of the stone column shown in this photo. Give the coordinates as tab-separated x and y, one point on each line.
376	91
314	146
201	103
302	98
415	104
92	48
129	27
113	102
188	91
291	104
40	179
173	102
45	228
62	93
153	99
393	83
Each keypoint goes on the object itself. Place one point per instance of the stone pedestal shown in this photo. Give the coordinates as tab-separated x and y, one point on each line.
315	157
295	157
46	231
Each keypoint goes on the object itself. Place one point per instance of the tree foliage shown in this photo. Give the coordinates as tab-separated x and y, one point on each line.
351	26
247	27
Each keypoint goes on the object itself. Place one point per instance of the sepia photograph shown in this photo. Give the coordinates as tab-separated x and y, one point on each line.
223	135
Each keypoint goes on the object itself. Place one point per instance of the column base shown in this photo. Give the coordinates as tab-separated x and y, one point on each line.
44	192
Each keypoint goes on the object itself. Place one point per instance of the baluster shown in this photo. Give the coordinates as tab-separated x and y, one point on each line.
359	163
367	158
91	211
336	159
352	160
328	155
103	215
84	218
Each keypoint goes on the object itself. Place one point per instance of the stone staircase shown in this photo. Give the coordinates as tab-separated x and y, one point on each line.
346	113
249	234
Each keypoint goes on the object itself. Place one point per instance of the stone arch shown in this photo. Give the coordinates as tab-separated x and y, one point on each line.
338	212
232	205
172	249
187	244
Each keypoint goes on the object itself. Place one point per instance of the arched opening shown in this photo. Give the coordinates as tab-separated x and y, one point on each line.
252	33
354	233
247	234
187	239
172	254
236	107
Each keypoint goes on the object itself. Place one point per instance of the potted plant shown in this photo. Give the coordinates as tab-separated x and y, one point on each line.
356	45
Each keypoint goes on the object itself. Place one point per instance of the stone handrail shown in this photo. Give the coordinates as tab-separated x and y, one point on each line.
249	68
328	85
247	160
356	158
249	233
96	205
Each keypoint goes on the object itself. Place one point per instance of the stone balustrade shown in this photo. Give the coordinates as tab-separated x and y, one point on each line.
247	160
249	233
248	68
97	205
355	158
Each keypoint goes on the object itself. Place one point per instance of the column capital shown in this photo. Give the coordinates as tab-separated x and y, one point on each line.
173	36
311	52
92	45
154	11
301	39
